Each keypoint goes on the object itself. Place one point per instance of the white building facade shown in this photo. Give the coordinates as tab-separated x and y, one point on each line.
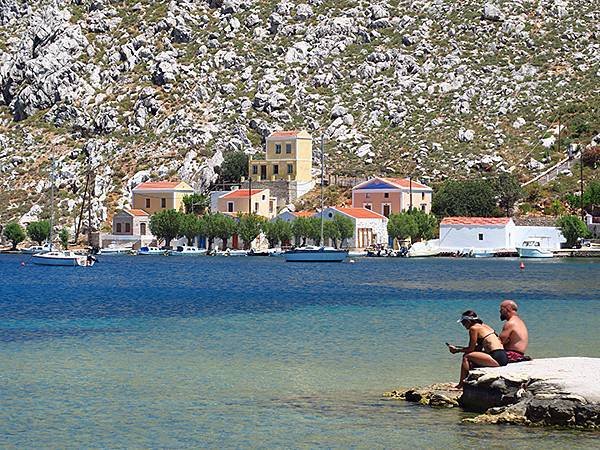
369	227
492	233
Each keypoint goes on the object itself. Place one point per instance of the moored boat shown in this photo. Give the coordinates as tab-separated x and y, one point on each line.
34	249
62	258
151	251
316	254
187	250
114	251
533	248
479	253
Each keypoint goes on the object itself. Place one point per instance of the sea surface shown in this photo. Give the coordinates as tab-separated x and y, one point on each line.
255	352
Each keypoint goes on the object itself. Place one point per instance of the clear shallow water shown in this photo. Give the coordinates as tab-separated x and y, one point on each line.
253	352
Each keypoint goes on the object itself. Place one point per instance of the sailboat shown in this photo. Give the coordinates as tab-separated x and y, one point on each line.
58	257
317	253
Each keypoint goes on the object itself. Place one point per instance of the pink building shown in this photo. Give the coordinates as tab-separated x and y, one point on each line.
391	195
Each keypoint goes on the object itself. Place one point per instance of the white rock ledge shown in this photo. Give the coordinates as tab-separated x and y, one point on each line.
561	392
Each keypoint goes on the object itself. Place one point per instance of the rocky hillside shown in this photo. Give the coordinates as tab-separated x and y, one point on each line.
143	89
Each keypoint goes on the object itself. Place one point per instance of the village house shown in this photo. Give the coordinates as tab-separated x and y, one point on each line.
286	167
493	233
257	201
130	228
391	195
290	216
370	227
154	196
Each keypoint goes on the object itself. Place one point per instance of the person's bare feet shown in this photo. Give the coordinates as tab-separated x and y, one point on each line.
459	386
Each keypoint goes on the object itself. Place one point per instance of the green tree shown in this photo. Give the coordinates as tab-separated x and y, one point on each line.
196	203
331	231
190	227
166	224
591	195
426	224
465	198
572	228
249	227
64	238
314	229
301	228
208	226
14	233
277	231
345	228
402	226
508	191
39	231
225	227
234	167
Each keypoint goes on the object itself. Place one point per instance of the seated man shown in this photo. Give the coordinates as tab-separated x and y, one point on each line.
514	335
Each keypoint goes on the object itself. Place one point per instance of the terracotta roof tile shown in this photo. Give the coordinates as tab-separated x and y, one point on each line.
241	193
475	221
137	212
360	213
158	185
304	213
405	183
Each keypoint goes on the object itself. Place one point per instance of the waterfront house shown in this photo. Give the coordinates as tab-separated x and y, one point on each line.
592	221
493	233
131	222
286	167
370	227
154	196
391	195
290	216
257	201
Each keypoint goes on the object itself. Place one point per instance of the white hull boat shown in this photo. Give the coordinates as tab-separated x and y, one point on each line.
422	249
532	248
185	250
66	258
483	254
229	252
316	254
151	251
114	251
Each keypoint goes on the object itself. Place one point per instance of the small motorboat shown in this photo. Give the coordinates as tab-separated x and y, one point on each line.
532	248
187	250
151	251
254	252
230	252
483	253
63	258
34	249
114	251
425	248
315	254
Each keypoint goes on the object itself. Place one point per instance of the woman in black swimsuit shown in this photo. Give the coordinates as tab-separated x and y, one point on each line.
484	349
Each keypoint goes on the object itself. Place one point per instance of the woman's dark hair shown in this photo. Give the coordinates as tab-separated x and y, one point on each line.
471	313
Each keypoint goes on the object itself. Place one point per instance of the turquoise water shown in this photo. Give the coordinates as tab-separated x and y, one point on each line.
254	352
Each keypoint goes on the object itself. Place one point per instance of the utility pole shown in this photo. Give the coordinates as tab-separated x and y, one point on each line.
581	184
249	195
410	201
558	141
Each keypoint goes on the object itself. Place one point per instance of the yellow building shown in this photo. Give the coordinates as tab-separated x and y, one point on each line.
288	157
156	196
238	201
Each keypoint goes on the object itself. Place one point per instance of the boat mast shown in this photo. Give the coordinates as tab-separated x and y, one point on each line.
51	200
322	176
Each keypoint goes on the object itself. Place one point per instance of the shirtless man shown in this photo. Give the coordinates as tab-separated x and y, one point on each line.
514	334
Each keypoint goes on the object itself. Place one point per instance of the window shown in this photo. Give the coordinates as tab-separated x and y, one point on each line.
288	148
367	195
278	149
290	168
255	206
330	215
422	195
276	169
271	206
229	206
147	203
386	209
163	202
254	170
118	228
368	206
480	237
264	197
127	227
142	229
386	195
423	207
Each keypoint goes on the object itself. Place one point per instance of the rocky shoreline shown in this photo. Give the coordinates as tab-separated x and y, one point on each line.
562	392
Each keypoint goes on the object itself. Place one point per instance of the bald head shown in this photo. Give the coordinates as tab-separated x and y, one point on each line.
508	308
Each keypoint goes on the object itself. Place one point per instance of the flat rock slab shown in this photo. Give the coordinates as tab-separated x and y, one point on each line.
548	392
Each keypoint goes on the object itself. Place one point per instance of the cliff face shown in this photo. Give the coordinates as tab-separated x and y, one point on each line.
155	88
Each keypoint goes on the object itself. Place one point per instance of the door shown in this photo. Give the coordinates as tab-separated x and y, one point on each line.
143	229
386	210
234	241
263	172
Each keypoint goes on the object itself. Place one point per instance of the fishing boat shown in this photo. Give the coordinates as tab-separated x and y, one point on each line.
187	250
152	251
63	258
114	251
533	248
317	253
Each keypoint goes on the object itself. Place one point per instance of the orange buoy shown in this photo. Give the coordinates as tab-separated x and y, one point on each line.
522	265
